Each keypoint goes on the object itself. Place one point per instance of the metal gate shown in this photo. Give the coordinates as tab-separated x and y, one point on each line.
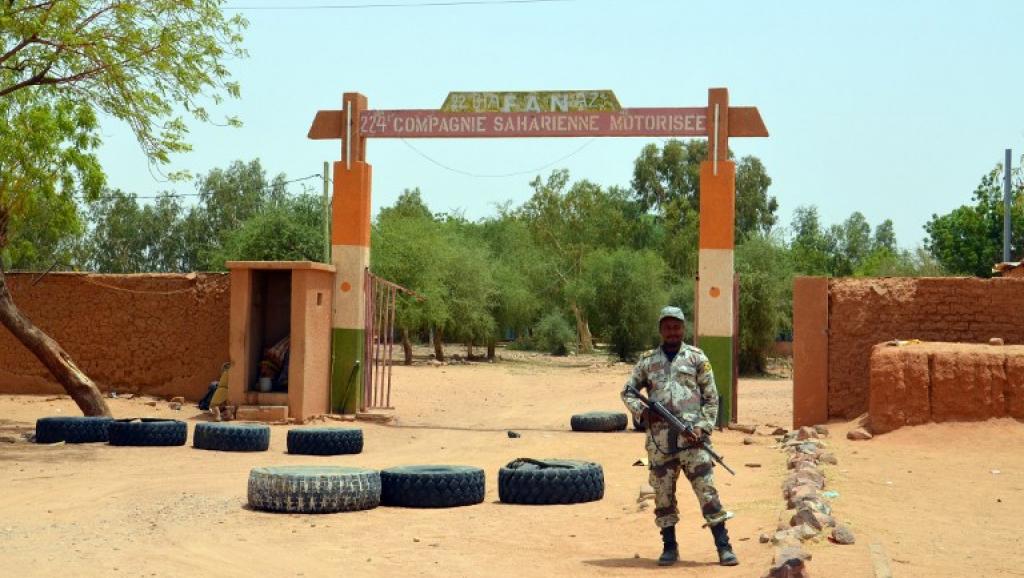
381	298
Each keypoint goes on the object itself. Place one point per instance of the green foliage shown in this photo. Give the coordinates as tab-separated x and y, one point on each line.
553	334
46	235
66	62
969	239
567	223
227	199
765	273
126	237
46	158
135	61
622	291
442	261
289	230
667	180
468	278
849	244
809	246
240	216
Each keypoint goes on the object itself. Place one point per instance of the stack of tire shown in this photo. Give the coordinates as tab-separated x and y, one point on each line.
316	489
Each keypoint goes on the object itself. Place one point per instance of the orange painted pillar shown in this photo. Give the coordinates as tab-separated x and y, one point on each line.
715	311
350	255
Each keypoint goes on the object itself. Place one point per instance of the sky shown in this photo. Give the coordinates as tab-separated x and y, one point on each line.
893	109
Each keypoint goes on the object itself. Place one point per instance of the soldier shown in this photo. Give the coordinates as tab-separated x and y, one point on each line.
680	377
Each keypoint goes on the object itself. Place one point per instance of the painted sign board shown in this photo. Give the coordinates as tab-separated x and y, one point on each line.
627	122
534	101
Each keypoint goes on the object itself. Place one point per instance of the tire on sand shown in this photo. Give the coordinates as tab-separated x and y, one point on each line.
72	430
325	441
432	486
231	437
598	421
313	489
550	481
147	431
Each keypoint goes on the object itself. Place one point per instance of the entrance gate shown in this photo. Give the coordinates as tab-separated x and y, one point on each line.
381	298
532	114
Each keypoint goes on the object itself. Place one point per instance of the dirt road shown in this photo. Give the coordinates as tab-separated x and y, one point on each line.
97	510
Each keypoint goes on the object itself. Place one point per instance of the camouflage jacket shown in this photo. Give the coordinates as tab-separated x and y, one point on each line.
686	386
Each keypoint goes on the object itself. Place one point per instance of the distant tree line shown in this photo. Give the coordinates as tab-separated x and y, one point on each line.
575	264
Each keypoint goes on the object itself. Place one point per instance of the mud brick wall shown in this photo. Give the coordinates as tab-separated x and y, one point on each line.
865	312
919	383
164	335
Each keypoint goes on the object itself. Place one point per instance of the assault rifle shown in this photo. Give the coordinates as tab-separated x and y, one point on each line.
678	426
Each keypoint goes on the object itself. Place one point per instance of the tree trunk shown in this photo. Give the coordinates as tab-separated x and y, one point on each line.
406	346
51	355
469	351
586	342
490	350
438	344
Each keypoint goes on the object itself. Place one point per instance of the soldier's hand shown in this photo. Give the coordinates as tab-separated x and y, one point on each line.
698	434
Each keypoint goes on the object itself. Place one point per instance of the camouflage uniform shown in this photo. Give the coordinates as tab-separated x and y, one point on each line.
686	386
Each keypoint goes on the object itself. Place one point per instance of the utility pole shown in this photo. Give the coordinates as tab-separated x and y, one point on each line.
1006	206
327	215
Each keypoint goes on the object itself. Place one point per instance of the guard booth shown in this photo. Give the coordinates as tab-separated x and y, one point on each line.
280	339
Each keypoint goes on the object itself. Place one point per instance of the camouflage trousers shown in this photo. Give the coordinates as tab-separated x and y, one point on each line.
696	465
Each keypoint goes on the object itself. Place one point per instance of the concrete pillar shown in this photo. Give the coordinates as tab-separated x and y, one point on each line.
810	351
350	255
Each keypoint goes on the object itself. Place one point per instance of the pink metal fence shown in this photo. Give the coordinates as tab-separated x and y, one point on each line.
381	299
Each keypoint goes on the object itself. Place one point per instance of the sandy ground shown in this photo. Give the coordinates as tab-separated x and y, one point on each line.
96	510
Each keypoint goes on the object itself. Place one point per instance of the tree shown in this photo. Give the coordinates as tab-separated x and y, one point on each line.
48	234
125	237
408	248
849	244
227	199
470	290
622	291
969	239
667	180
809	245
64	62
518	266
292	229
765	273
570	222
885	237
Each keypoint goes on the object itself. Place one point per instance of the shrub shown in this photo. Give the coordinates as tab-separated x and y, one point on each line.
553	334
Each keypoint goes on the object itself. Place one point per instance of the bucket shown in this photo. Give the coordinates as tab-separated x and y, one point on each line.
266	384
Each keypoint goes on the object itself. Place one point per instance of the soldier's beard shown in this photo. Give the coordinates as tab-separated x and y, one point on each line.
671	344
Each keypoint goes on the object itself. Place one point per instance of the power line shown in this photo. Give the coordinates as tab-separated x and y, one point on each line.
498	175
435	4
182	195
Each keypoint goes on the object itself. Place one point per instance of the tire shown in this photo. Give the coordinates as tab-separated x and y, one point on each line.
556	482
148	431
231	437
72	430
598	421
431	486
313	489
325	441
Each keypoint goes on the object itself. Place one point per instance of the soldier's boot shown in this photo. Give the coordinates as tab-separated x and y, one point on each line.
670	554
726	557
